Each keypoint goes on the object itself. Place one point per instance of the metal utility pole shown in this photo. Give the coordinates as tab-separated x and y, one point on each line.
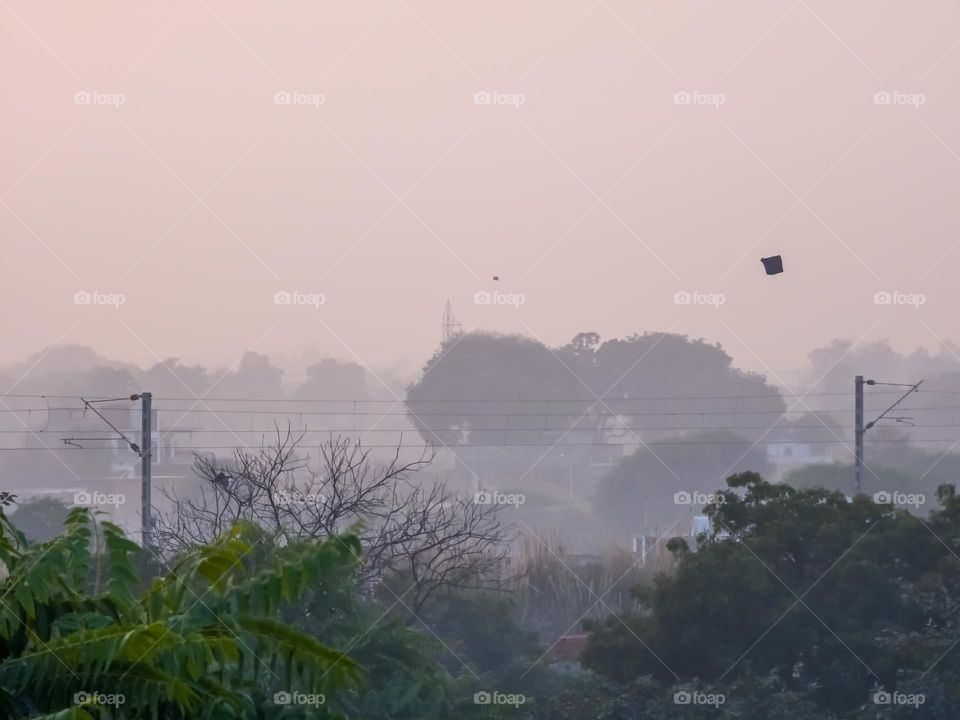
146	471
858	434
860	429
144	450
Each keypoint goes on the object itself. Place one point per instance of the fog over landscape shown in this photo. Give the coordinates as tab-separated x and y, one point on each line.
199	197
418	360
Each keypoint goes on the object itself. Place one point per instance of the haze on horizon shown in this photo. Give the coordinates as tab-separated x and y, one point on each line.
594	195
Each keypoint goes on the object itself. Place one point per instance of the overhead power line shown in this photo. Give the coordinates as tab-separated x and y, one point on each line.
605	398
470	413
514	429
424	446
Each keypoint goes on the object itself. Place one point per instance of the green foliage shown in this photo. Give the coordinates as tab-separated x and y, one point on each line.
230	625
481	629
404	679
827	599
201	642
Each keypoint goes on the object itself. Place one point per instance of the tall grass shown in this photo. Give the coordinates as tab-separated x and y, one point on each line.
556	590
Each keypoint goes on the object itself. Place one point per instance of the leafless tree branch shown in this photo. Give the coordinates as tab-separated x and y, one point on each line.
416	536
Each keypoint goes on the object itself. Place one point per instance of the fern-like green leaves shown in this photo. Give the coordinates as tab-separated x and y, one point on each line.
201	642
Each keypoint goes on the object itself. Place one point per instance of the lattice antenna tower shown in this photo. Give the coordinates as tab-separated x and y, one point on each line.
451	328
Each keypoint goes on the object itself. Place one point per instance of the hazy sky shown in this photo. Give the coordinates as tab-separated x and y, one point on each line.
586	184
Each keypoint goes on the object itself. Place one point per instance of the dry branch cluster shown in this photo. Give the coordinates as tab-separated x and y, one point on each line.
417	536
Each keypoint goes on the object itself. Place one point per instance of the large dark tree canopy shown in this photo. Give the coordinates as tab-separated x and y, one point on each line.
670	365
473	389
487	388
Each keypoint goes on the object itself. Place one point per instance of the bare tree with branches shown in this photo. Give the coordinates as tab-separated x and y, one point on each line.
417	537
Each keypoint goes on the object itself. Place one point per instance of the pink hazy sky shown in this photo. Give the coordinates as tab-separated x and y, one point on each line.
184	187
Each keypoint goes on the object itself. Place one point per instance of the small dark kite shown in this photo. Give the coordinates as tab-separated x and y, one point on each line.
773	264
